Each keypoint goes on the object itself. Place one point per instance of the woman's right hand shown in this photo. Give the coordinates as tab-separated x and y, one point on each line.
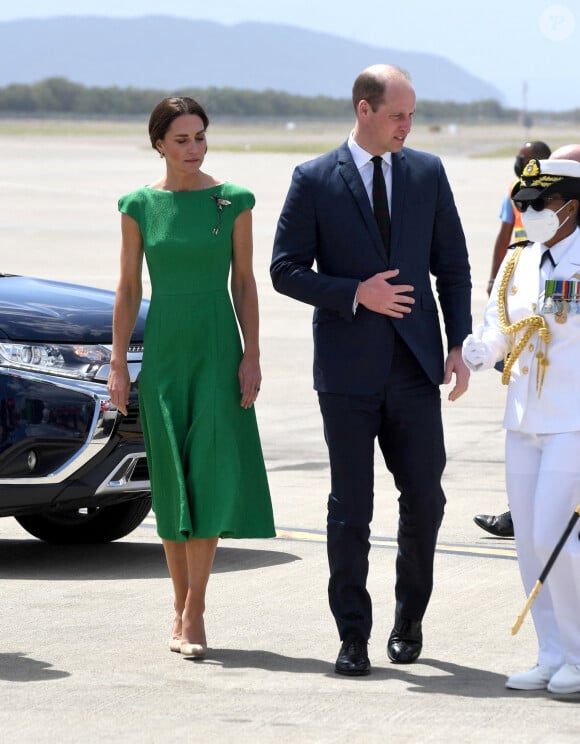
118	385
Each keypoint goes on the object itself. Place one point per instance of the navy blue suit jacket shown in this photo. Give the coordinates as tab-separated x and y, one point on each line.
327	220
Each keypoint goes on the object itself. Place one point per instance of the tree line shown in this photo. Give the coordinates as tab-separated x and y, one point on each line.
59	96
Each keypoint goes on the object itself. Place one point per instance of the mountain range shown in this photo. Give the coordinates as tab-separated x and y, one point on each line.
169	54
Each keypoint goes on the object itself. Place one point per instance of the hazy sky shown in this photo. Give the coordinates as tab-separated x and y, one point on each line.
517	45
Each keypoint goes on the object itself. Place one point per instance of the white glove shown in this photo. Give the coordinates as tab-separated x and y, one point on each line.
476	353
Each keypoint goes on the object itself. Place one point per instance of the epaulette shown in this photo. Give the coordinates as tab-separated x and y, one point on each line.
518	243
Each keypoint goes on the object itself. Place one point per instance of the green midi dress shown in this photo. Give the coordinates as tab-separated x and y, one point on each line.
203	449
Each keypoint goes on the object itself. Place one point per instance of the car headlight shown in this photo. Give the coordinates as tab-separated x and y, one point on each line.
67	360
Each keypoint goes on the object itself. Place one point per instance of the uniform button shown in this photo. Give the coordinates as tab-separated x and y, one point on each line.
525	370
531	347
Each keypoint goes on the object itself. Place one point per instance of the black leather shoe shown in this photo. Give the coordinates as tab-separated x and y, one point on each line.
353	658
500	526
406	641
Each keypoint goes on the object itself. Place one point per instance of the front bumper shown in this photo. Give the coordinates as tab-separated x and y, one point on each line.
62	442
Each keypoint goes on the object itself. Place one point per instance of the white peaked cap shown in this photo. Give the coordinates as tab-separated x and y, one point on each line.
568	168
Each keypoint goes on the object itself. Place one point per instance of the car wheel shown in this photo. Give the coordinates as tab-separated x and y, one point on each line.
98	525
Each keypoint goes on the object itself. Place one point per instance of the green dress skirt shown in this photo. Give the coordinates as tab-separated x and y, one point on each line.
203	449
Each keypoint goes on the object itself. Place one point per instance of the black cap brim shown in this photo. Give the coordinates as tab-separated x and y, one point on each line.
527	194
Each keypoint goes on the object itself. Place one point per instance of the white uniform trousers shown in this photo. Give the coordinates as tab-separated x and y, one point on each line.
543	486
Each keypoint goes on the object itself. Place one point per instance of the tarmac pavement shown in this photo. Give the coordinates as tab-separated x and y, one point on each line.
84	644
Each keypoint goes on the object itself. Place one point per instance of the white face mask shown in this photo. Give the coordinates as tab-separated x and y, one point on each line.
542	226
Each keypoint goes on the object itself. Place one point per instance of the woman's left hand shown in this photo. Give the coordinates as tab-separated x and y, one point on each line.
250	378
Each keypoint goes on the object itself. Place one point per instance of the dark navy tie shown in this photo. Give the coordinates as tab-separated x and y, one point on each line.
380	203
547	256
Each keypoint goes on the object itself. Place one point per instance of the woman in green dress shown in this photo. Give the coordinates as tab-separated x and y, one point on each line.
198	386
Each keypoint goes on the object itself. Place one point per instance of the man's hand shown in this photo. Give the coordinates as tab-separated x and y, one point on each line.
378	295
455	364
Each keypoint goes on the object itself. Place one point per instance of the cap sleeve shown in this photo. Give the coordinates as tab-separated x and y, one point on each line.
130	204
247	200
241	197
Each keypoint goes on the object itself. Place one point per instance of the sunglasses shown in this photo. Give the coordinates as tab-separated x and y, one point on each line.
537	204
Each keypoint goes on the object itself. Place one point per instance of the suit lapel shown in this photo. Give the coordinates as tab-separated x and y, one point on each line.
569	265
351	177
568	268
528	280
399	185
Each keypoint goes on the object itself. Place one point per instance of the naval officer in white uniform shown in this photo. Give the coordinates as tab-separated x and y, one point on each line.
532	320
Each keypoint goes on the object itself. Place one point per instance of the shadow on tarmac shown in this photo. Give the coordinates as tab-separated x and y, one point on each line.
17	667
34	559
450	679
237	658
445	679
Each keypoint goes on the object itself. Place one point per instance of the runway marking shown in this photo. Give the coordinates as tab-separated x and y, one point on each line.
495	551
304	535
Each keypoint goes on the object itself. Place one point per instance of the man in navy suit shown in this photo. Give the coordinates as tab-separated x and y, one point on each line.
378	352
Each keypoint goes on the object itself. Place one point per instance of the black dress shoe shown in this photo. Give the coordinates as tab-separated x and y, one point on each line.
353	658
500	526
406	641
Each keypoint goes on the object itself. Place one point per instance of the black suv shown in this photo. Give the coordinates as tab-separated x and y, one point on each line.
72	468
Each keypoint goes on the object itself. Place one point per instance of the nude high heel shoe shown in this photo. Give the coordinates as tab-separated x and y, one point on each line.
193	650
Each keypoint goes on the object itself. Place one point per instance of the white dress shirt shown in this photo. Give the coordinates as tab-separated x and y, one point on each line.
362	160
365	166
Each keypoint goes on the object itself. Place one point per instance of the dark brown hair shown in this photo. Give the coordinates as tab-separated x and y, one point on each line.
169	109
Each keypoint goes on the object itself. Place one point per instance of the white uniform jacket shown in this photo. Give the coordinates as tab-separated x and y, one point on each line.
557	408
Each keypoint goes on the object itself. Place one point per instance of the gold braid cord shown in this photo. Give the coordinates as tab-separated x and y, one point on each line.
528	325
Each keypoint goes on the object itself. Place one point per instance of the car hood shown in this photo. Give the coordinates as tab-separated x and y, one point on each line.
42	310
